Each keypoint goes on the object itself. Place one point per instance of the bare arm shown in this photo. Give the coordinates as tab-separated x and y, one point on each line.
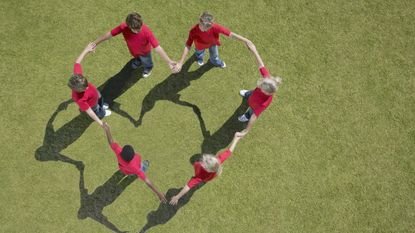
154	189
258	58
94	116
176	198
108	133
248	127
235	141
89	48
239	37
164	55
102	38
179	65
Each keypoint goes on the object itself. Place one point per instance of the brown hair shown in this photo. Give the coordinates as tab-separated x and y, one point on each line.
78	82
206	17
134	21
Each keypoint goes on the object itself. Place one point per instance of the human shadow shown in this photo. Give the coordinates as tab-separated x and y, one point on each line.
93	204
55	141
166	211
169	90
211	144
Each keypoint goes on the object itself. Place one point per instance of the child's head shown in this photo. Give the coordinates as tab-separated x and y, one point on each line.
78	83
269	85
211	164
205	21
134	22
127	153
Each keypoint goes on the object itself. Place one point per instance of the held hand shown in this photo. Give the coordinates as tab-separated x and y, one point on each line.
174	200
250	45
94	46
172	65
240	134
177	67
90	47
162	198
105	126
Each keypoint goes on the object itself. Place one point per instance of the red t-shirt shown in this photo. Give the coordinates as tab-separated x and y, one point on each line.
207	39
140	43
88	98
259	101
201	175
128	168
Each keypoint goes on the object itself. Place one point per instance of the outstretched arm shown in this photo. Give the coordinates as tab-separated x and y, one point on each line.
174	200
258	58
94	116
239	37
107	130
102	38
165	57
248	127
89	48
154	189
235	141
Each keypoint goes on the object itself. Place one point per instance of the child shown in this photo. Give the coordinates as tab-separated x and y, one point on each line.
85	94
260	98
140	40
129	162
205	170
205	35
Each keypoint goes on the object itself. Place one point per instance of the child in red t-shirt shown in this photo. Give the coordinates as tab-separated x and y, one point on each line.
140	40
129	162
260	98
205	35
86	94
206	169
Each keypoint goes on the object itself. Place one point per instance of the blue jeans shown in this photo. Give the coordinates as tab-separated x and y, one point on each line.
249	111
213	55
99	109
146	60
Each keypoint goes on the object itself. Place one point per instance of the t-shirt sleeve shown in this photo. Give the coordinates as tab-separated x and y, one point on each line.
117	30
77	68
194	181
116	148
83	103
222	30
189	41
152	39
140	174
224	156
264	72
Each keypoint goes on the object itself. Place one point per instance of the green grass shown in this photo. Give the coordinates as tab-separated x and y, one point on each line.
333	153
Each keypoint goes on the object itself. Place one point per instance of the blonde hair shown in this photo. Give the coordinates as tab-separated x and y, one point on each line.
270	84
211	164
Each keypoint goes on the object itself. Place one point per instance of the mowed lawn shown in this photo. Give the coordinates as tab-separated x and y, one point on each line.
335	152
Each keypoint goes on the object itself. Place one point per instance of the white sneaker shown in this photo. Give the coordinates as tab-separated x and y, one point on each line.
243	118
223	66
146	75
105	106
243	92
107	113
200	63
